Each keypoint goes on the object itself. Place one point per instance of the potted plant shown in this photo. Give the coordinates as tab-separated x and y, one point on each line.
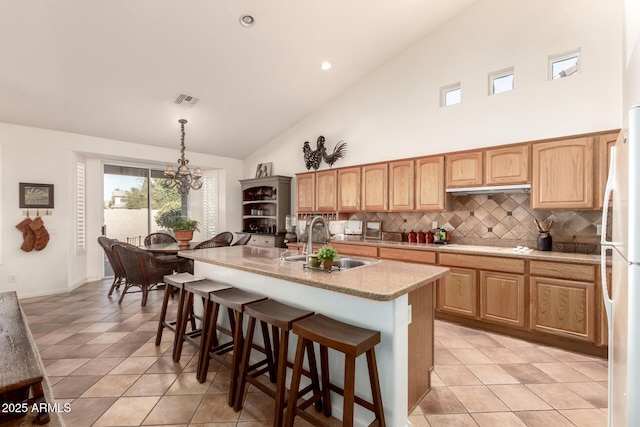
183	229
326	255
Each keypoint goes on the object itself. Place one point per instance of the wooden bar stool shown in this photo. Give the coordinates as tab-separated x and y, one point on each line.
172	282
201	288
350	340
281	318
234	300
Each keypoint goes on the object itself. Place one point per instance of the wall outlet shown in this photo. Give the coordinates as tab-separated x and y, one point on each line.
13	278
598	229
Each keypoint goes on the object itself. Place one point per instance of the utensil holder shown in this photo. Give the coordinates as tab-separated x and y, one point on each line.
544	242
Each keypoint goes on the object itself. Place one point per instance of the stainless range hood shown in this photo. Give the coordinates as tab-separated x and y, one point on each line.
506	189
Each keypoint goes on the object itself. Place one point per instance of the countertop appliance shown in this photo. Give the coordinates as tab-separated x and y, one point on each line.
622	304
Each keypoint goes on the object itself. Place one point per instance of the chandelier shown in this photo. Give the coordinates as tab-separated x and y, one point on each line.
183	179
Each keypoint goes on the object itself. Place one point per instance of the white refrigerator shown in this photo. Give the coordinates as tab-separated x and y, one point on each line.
622	246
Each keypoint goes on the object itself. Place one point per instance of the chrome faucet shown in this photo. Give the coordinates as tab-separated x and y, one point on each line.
283	255
309	247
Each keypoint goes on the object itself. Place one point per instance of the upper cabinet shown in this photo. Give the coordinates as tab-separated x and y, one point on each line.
401	182
375	187
464	169
508	165
326	191
605	142
430	195
349	189
306	191
563	175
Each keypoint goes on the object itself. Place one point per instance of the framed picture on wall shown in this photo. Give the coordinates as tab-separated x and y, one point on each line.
373	230
36	196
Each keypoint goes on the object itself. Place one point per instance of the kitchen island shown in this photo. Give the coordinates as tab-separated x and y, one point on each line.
392	297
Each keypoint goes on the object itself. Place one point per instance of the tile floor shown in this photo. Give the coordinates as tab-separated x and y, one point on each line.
100	357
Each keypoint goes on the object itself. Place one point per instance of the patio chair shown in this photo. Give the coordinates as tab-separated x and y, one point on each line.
226	235
143	270
242	240
160	237
118	272
214	242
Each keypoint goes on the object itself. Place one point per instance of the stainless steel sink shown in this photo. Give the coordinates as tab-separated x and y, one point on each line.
343	263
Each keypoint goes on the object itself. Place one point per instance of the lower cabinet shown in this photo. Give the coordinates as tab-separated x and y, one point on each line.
458	293
502	298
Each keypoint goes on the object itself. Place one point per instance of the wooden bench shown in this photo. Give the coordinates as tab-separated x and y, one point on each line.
21	371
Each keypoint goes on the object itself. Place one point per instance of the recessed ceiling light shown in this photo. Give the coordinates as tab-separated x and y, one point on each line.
246	20
325	66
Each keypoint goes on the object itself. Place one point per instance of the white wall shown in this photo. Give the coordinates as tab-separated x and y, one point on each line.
43	156
395	113
631	85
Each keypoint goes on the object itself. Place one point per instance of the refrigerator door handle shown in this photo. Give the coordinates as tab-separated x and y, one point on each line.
608	301
607	195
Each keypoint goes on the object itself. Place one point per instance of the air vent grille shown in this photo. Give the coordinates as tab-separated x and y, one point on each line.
186	100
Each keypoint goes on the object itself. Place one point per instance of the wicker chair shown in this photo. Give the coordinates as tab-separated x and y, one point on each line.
212	243
242	241
118	272
154	238
225	235
143	270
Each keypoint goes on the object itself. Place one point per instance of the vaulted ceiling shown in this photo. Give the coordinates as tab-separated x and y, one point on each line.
114	68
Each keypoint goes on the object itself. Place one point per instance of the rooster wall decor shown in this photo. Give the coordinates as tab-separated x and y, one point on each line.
313	158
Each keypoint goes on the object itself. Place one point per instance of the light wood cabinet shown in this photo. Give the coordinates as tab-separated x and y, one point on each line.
401	181
349	189
458	293
306	192
408	255
375	186
563	175
502	298
420	344
508	165
326	191
430	190
355	250
605	142
464	169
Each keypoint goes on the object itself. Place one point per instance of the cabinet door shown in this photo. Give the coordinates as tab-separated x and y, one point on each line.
326	191
457	293
502	298
509	165
430	195
401	186
604	157
563	175
375	187
563	307
349	189
464	169
306	190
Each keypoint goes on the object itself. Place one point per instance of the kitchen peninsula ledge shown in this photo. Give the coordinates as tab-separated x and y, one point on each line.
392	297
382	281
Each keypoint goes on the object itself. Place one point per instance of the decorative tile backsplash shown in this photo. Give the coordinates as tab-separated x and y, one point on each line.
498	220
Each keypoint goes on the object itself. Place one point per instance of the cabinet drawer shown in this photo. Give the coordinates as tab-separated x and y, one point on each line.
357	250
586	273
262	240
508	265
408	255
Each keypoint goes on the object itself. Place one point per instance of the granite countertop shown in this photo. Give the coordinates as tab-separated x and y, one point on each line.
506	252
384	280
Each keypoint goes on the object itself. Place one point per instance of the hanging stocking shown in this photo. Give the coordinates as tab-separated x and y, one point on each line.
41	233
28	235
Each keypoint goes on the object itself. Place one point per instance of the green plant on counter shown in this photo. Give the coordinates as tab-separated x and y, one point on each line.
327	252
184	224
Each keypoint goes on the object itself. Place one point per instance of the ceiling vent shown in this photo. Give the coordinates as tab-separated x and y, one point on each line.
186	100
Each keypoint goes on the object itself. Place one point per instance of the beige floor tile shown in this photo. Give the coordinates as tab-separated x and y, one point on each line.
527	373
533	355
559	396
166	365
452	420
519	398
498	419
478	399
419	421
173	410
99	327
108	338
436	381
73	387
100	366
440	400
443	356
111	386
214	408
586	417
567	356
151	385
63	367
492	374
127	411
592	392
454	341
470	356
561	372
187	383
502	355
84	412
456	375
134	365
482	341
51	339
544	419
257	406
593	370
150	349
509	341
